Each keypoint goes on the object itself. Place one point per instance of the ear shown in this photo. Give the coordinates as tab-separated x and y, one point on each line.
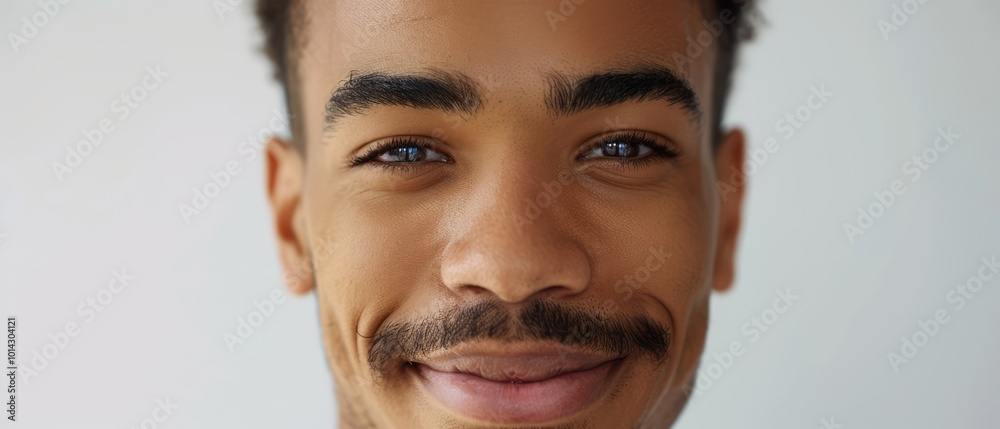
731	183
285	168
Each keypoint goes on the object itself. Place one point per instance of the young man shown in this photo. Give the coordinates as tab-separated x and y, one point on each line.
512	212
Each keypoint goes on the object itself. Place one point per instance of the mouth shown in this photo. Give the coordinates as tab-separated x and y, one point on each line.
516	383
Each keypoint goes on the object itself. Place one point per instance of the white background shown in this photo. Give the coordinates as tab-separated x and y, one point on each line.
826	358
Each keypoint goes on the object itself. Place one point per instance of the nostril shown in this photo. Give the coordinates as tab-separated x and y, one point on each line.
473	290
515	293
556	292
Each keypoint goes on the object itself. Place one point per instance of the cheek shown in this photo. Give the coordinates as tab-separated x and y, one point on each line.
657	246
382	254
372	261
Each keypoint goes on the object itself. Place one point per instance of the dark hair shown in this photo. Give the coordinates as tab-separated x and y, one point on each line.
282	19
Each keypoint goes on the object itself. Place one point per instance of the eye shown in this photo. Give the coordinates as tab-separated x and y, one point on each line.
620	149
629	147
399	151
409	154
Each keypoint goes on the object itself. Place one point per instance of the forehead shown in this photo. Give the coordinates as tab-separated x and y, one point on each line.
510	38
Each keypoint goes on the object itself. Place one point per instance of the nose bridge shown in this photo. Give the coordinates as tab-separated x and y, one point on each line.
517	240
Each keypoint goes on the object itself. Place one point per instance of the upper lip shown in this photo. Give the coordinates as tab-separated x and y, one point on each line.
523	362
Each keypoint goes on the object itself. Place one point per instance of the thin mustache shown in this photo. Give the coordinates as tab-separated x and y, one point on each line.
539	320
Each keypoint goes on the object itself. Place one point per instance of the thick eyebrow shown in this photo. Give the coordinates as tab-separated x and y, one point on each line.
434	89
457	93
643	83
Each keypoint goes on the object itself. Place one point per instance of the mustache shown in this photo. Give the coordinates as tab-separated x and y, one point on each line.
618	336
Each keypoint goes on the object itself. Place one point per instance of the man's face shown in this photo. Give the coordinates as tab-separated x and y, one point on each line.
510	208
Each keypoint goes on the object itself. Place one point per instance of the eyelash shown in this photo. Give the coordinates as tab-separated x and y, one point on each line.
657	151
394	143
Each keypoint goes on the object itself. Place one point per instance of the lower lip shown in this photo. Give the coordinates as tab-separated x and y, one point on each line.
505	402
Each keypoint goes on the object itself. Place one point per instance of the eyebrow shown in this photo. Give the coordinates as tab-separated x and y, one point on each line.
454	92
643	83
435	89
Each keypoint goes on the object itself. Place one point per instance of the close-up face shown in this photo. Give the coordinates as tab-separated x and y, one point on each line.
561	214
510	211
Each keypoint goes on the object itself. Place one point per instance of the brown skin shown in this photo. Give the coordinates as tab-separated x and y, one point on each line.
403	245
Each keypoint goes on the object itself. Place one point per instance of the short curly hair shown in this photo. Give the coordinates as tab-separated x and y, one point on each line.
282	19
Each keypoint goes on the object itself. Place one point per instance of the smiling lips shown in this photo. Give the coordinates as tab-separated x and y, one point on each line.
516	383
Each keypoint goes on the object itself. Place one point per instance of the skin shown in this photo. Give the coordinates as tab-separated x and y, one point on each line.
378	245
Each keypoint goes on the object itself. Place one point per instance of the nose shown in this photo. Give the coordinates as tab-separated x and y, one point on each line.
515	249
